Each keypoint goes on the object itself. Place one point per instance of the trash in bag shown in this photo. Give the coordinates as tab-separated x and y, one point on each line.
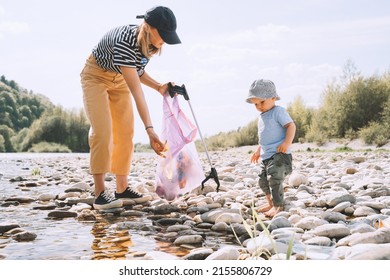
180	171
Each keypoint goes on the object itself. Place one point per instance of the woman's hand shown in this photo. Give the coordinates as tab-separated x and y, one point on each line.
157	146
163	88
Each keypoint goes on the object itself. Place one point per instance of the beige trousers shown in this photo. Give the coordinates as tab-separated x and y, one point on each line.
107	103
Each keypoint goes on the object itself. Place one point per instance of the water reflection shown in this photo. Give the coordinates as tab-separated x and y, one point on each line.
169	248
109	243
113	242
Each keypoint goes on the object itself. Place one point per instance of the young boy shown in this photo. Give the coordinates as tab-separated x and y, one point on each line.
276	132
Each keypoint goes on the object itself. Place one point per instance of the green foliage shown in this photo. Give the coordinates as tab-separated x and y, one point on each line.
244	136
378	132
18	139
343	149
36	171
18	109
7	134
247	135
27	119
2	146
46	147
375	133
302	117
58	126
352	105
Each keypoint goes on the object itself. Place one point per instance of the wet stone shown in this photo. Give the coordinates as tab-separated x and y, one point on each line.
24	236
21	199
45	207
166	209
198	254
58	214
10	203
4	227
188	239
204	225
168	221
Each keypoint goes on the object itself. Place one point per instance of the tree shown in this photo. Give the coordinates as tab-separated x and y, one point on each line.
2	145
302	117
7	133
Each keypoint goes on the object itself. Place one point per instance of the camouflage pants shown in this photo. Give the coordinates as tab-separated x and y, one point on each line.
272	173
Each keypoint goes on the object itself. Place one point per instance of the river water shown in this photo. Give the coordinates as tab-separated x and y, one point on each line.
68	238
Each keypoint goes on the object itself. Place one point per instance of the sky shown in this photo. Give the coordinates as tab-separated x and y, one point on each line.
300	45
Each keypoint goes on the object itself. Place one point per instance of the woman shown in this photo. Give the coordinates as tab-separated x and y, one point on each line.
113	72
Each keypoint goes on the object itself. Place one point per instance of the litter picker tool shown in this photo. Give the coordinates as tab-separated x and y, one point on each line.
183	91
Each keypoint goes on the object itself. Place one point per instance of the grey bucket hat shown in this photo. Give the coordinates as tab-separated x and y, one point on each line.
262	89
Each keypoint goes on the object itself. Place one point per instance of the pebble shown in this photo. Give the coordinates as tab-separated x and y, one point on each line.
188	239
62	214
198	254
225	253
24	236
337	207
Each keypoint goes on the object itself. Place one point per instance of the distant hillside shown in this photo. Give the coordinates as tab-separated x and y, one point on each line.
28	119
19	108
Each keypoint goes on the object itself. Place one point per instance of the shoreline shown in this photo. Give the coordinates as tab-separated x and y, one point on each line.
356	145
333	204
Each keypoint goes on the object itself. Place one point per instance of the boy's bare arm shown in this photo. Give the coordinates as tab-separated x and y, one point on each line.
290	133
256	155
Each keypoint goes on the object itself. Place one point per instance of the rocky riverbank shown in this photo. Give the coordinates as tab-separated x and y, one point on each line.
337	207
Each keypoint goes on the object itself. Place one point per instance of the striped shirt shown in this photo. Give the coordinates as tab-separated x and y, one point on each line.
118	47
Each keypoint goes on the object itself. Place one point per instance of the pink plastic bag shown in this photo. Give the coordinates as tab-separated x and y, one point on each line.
180	171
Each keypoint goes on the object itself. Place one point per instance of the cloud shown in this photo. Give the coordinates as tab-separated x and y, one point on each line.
343	35
260	43
262	36
272	44
12	27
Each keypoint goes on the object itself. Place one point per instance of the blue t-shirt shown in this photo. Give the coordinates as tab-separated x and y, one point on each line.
272	131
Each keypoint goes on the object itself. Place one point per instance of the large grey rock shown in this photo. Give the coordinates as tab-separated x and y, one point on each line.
188	239
211	216
198	254
332	230
296	179
310	222
379	236
338	197
225	253
369	252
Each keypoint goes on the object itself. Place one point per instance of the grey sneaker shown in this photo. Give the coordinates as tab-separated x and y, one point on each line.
106	201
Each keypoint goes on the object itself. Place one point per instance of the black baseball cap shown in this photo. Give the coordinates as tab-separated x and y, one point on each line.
163	19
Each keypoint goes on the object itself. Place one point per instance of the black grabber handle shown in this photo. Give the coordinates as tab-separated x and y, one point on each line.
178	90
212	175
